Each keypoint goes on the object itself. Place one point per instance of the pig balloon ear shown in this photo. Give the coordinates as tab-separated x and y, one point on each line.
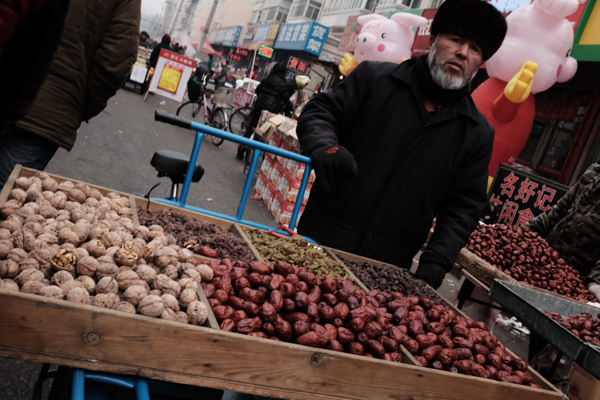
407	19
364	19
562	8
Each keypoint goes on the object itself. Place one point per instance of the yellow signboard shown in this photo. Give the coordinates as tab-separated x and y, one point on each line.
169	80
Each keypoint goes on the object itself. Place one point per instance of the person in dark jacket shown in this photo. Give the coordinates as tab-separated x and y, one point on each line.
220	79
571	227
98	47
272	94
165	43
395	145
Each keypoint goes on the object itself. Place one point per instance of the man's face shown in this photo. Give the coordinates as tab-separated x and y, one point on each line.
223	62
453	60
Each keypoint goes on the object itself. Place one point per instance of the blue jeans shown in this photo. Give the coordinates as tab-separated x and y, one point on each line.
23	147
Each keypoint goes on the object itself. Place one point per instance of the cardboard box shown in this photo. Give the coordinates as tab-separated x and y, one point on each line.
267	164
583	386
285	210
261	183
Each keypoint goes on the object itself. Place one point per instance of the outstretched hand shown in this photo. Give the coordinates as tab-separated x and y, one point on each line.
335	168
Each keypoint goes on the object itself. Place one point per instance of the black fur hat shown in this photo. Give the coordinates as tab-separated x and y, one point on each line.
474	19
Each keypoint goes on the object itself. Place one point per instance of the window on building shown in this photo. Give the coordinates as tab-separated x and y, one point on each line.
312	11
416	4
435	3
298	8
371	4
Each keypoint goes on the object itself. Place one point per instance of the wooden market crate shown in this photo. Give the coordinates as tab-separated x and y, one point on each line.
59	332
77	335
485	273
537	378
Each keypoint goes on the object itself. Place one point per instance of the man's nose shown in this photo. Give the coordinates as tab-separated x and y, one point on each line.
463	50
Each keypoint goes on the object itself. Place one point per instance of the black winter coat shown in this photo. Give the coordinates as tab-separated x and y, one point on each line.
272	94
156	53
412	166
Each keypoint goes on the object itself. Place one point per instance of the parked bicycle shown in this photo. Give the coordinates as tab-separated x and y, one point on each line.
239	120
199	110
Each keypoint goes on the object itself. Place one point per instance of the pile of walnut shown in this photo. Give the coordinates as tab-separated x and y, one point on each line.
527	257
280	302
582	325
68	241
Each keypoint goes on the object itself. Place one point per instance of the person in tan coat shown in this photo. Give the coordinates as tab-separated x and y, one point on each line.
98	48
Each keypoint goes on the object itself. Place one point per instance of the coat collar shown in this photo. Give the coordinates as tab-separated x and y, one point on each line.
465	106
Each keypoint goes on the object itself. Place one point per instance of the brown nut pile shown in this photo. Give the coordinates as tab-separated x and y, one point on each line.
200	237
281	302
582	325
390	279
295	251
527	257
69	241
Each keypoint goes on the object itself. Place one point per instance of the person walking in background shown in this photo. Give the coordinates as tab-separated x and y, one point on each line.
209	62
165	43
97	50
394	145
144	39
272	95
221	78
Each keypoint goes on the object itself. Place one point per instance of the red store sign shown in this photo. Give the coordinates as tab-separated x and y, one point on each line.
298	65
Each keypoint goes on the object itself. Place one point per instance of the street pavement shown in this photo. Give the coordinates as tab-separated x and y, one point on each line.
114	150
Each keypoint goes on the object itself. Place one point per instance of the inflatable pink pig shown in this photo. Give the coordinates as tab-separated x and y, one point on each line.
383	39
537	34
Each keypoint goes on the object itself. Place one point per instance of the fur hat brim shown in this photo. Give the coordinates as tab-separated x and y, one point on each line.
474	19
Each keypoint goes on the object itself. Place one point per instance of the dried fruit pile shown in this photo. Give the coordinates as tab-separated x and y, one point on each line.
295	251
582	325
390	279
68	241
200	237
280	302
527	257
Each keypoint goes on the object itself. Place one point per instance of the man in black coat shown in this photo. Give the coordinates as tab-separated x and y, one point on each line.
272	95
393	146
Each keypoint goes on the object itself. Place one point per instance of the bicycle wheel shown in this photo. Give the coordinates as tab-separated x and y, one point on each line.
239	120
219	121
192	110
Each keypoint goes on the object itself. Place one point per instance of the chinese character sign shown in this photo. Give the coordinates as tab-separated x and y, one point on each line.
298	65
517	197
260	36
231	36
171	75
306	36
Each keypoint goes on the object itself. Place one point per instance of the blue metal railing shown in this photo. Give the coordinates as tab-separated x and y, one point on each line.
202	130
80	375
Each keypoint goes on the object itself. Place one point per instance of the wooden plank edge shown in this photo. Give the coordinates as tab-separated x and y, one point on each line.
239	230
407	356
354	278
161	375
84	317
10	183
133	206
211	321
29	172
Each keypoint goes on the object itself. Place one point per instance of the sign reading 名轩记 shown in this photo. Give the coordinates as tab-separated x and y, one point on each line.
171	75
517	197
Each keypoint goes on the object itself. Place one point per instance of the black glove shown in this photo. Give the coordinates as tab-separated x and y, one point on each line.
432	269
335	168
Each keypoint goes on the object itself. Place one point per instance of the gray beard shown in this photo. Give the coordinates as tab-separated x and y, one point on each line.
436	67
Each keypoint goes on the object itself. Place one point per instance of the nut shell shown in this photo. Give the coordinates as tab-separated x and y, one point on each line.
51	291
124	306
107	285
64	260
79	295
197	313
151	306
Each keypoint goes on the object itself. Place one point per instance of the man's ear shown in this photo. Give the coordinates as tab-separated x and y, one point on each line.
431	40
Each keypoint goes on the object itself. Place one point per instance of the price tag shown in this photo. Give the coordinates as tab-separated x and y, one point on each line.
170	78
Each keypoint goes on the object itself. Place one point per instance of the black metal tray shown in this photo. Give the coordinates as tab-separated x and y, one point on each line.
527	305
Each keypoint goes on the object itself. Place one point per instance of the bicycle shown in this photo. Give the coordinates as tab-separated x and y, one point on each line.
239	120
215	116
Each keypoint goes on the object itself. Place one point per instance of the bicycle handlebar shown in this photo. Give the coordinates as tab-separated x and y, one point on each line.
163	116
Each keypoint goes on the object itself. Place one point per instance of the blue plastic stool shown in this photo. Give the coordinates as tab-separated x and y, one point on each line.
78	386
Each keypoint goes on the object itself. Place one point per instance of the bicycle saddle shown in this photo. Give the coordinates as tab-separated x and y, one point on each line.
174	165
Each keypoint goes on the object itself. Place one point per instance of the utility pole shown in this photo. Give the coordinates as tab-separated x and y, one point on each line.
206	27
